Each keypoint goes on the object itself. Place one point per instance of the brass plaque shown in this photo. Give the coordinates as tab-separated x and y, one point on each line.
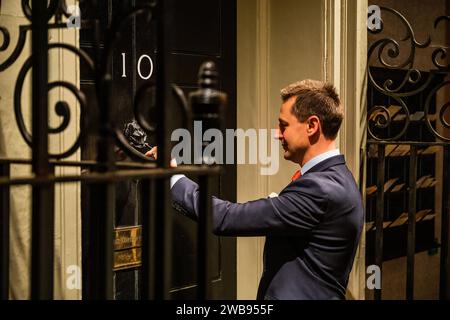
127	237
126	259
127	247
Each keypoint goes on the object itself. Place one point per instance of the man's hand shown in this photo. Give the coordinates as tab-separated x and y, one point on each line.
153	153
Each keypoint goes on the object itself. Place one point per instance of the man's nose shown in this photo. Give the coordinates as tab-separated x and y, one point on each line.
278	134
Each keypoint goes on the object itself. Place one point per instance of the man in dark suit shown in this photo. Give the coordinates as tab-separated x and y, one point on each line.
313	226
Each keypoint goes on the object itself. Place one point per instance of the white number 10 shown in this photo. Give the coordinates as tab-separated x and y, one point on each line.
138	67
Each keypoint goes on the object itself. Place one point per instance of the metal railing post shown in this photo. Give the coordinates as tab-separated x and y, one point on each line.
42	208
379	214
411	247
4	233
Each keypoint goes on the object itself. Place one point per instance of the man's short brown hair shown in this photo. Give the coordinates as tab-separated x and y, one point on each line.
316	98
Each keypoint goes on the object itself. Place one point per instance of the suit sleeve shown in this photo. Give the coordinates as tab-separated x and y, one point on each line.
296	211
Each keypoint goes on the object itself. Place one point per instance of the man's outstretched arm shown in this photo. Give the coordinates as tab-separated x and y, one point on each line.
293	212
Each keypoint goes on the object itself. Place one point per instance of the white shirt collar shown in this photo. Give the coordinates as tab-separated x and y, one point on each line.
317	159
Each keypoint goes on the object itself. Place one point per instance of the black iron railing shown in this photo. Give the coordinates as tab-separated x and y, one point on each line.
407	129
105	171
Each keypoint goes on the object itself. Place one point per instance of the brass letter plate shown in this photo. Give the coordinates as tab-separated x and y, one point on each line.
127	259
127	247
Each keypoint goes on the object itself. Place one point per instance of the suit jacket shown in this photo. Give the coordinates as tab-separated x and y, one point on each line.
312	230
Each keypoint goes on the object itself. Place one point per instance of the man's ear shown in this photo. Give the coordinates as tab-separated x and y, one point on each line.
313	125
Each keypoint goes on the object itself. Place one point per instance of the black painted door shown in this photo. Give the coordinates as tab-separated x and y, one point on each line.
201	30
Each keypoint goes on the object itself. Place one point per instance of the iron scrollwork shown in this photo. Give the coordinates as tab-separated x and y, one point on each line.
6	38
19	46
413	81
113	37
442	112
55	8
440	53
100	67
61	108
